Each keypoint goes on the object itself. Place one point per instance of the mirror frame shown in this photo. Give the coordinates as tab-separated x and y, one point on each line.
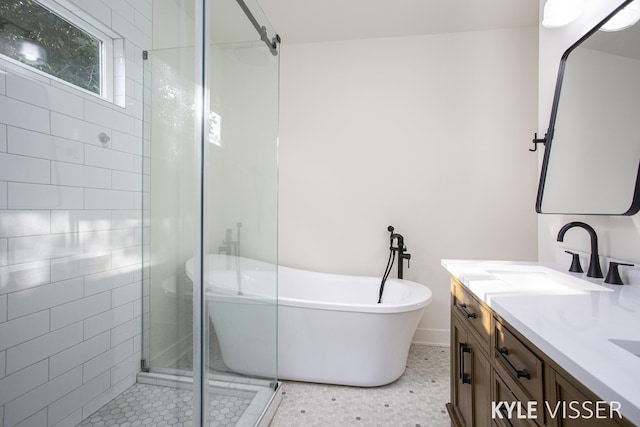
635	202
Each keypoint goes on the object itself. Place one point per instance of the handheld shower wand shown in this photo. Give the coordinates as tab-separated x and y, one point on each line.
392	257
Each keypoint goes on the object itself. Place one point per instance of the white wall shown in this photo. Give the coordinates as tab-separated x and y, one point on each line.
619	237
429	134
70	235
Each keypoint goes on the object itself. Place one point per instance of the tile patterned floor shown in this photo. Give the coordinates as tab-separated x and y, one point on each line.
417	399
153	405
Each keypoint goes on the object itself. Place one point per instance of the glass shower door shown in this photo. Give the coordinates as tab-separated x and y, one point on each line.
169	210
210	213
240	204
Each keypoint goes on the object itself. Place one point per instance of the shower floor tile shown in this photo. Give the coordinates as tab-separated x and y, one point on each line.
417	399
153	405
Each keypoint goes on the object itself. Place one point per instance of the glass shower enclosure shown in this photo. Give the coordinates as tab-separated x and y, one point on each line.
210	209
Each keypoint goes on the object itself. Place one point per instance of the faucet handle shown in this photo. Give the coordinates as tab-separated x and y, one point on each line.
575	263
613	275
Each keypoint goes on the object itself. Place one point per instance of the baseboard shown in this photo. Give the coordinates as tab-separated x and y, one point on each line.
434	337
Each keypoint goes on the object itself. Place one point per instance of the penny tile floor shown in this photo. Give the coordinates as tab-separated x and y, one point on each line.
417	399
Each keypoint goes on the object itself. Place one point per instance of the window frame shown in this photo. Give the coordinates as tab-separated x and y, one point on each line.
67	11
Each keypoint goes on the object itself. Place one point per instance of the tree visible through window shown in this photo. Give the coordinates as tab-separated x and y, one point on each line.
35	36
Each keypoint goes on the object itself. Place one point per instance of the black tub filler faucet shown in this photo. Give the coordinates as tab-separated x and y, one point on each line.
400	250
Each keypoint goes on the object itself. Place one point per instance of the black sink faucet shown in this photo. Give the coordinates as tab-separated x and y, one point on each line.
400	249
594	263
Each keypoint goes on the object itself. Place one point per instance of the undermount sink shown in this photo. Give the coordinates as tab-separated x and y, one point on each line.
631	346
541	279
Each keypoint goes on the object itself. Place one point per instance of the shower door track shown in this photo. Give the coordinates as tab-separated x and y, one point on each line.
262	30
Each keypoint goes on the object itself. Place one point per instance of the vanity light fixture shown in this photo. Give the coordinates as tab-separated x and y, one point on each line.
623	19
558	13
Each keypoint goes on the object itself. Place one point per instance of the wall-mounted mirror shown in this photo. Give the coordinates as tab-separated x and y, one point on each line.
592	155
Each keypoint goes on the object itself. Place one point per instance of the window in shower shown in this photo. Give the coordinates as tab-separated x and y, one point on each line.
48	38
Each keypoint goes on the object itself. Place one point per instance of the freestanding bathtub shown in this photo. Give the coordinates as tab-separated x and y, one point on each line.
330	327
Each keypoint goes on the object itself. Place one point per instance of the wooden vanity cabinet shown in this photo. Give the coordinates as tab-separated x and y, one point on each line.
492	362
475	316
515	361
560	389
471	374
503	391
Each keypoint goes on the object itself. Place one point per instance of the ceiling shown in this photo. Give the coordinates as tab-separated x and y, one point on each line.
308	21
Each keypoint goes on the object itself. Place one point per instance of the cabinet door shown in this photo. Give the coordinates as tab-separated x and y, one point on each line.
480	384
569	404
460	375
470	378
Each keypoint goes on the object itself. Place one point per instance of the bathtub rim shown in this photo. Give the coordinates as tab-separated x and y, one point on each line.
419	292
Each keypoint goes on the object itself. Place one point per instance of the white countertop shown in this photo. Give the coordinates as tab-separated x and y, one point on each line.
569	319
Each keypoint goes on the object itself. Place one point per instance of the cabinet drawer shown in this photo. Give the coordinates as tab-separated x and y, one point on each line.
511	409
476	316
513	359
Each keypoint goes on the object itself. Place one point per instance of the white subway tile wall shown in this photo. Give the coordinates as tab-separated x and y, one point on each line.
3	318
3	138
3	195
71	235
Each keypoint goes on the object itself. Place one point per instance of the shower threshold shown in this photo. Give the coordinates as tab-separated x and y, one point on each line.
162	399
